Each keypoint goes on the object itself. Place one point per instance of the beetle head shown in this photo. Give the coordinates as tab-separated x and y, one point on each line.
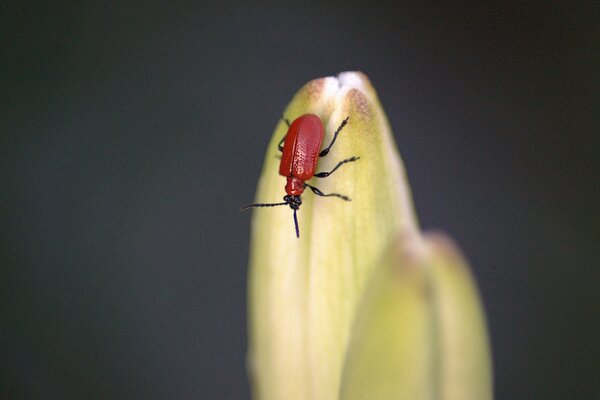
293	201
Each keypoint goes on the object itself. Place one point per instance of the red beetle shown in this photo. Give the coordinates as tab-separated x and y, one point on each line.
300	153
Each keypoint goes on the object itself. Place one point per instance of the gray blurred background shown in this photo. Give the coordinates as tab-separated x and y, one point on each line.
131	134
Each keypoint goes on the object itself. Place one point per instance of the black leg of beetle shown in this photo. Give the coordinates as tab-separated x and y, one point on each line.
280	145
326	174
325	151
319	193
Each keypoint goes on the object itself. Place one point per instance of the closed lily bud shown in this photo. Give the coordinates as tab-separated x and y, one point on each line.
420	330
304	291
318	302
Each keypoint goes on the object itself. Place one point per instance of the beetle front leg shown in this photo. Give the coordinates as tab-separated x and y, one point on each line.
319	193
326	174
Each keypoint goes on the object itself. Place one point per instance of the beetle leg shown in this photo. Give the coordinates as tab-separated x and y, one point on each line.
325	151
280	144
319	193
326	174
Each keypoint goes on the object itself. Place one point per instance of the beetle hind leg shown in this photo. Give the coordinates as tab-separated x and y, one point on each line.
325	151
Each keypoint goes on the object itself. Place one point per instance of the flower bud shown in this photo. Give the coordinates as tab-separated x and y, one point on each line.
420	331
361	305
304	292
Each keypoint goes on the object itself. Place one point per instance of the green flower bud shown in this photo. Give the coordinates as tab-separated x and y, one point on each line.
348	309
304	292
420	331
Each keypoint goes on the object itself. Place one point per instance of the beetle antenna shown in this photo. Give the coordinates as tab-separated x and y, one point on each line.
261	205
296	224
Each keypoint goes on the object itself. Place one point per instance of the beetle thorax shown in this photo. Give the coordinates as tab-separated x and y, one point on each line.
294	186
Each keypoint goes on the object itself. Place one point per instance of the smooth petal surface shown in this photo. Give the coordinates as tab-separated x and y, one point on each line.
465	367
420	331
304	292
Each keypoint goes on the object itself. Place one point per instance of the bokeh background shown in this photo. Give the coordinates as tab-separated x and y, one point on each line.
131	133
